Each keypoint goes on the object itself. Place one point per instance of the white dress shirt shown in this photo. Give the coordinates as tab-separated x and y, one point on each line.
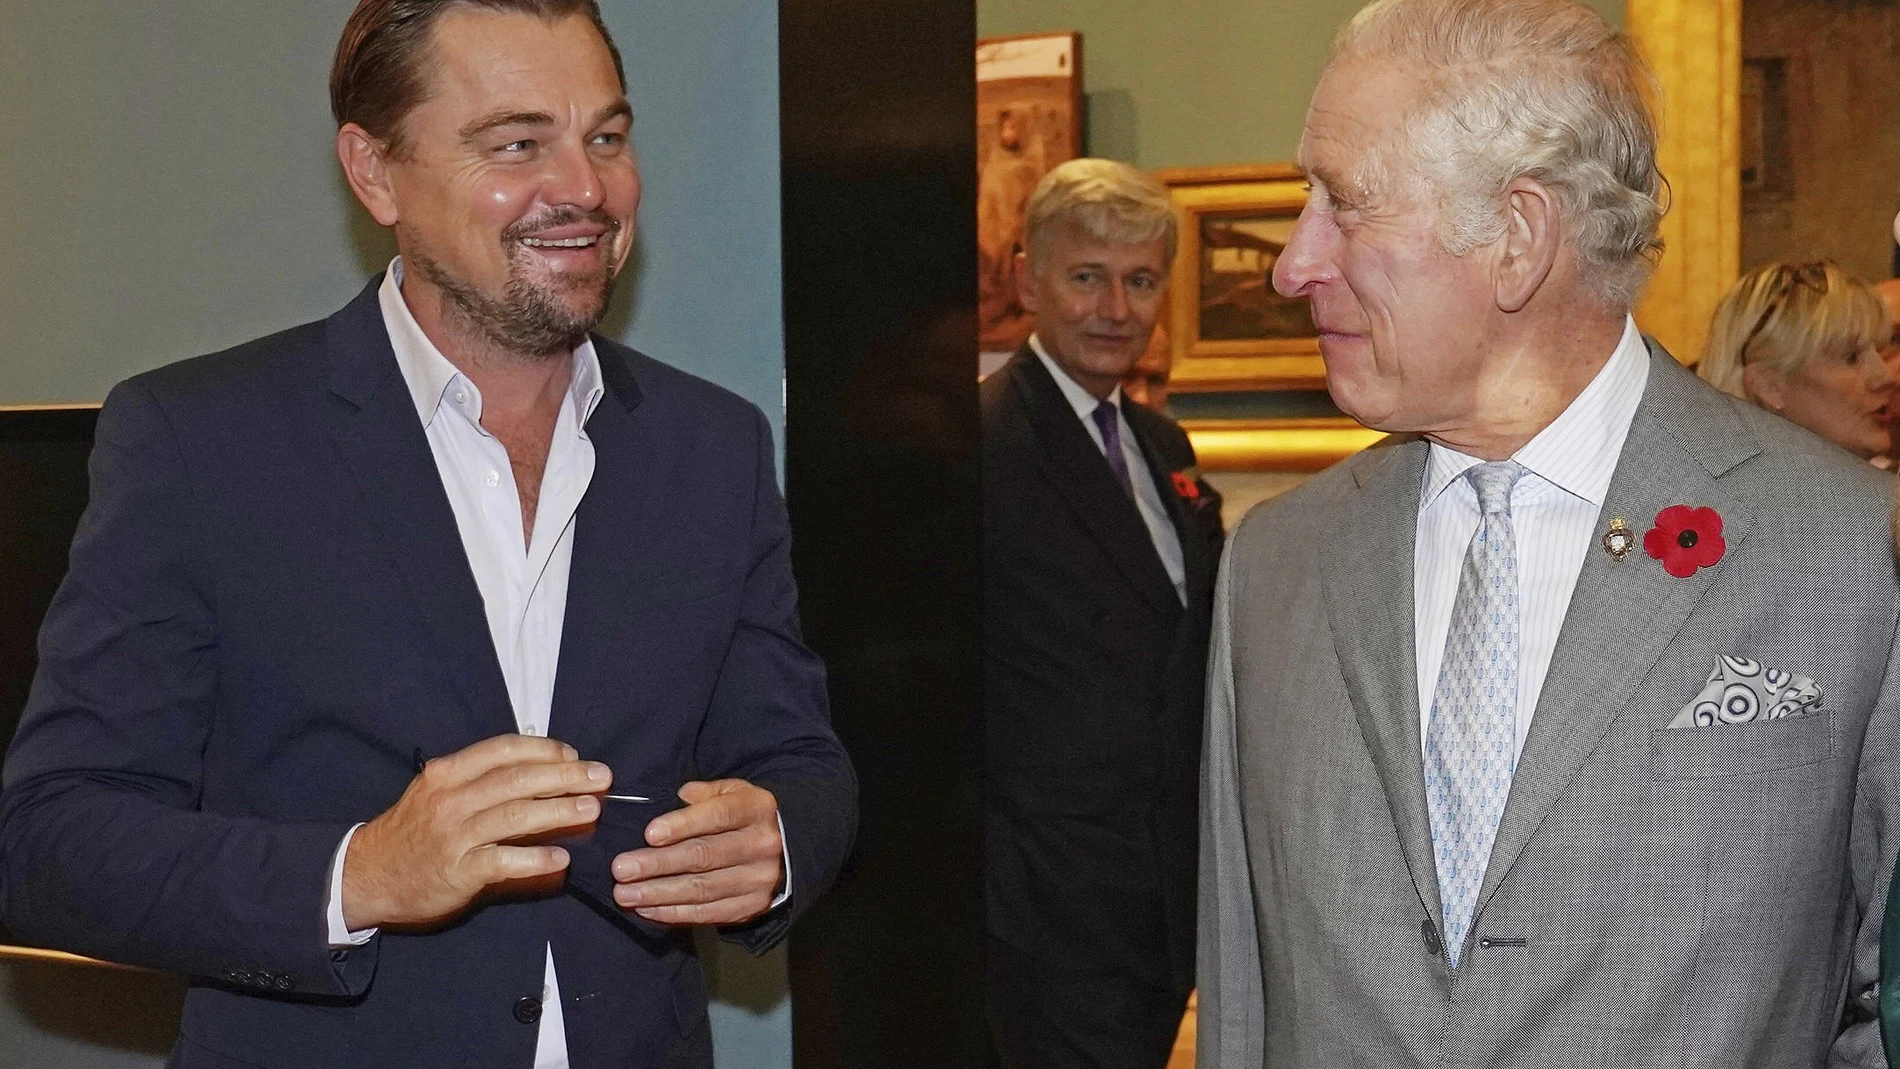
1154	511
523	586
1554	511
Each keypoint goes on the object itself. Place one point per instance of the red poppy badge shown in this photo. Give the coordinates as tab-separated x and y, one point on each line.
1686	539
1186	486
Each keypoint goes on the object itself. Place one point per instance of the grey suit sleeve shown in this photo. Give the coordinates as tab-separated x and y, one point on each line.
1871	848
1231	1026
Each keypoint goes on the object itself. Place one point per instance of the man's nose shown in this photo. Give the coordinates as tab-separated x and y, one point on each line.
1301	262
1113	303
573	178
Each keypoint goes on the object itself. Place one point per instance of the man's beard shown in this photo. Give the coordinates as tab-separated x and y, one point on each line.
528	320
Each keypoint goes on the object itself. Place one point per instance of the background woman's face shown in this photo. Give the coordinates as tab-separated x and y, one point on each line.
1846	400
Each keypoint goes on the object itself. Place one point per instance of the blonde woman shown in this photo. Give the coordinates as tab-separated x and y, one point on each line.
1804	340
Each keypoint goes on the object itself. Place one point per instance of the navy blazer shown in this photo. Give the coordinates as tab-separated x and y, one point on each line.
269	613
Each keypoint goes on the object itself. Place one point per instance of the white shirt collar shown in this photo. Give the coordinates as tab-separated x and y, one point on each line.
429	374
1578	452
1084	402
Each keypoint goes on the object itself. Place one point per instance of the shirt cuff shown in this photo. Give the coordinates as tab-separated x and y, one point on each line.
340	936
785	848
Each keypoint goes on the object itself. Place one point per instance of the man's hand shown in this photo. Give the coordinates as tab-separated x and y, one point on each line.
427	857
718	861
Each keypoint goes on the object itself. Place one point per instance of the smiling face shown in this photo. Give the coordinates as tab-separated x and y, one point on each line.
1403	323
1095	302
514	201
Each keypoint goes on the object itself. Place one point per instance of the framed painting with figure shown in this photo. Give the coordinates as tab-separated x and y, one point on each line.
1230	330
1028	119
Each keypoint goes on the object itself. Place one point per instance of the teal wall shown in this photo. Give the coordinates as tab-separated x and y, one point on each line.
169	188
1192	83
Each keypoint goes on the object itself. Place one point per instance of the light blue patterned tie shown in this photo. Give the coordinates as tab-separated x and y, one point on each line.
1471	744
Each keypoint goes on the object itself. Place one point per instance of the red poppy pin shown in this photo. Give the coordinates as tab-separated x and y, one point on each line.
1185	485
1686	539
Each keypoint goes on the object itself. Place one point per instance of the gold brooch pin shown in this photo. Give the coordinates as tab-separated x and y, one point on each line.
1618	540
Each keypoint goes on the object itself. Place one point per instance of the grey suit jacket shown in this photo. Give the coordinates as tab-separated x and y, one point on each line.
1655	897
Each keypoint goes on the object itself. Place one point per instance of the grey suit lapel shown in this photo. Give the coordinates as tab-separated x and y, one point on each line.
1368	591
1624	614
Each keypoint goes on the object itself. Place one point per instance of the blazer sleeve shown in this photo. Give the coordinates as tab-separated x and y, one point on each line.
104	849
1872	843
769	719
1232	1015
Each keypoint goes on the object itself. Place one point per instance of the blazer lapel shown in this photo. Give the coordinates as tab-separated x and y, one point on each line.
1368	592
615	540
1081	475
373	420
1625	613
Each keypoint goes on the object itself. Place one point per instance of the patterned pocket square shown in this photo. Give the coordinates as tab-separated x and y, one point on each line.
1741	690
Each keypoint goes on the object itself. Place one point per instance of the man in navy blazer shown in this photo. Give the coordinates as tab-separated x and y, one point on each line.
389	640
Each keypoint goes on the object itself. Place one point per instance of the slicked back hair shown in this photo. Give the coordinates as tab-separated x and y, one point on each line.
377	78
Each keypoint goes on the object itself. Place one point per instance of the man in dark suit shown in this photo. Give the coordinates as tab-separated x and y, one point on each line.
388	639
1098	574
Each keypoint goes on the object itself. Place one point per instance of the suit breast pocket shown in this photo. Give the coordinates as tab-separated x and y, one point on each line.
1742	749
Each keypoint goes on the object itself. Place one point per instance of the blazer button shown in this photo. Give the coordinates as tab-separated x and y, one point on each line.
284	982
1430	932
528	1010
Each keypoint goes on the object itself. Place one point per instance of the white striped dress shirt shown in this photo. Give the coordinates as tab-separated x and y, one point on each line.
1554	511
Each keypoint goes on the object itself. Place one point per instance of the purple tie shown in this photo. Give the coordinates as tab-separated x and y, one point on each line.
1105	417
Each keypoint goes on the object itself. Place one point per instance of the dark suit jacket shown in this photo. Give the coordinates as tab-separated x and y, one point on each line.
269	613
1093	676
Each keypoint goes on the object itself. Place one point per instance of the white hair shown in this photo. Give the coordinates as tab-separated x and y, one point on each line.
1105	199
1539	89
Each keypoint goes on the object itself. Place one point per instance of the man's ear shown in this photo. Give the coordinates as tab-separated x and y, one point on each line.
1765	387
1025	284
365	160
1533	231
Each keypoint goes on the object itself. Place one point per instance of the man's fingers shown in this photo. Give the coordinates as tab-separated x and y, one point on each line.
539	779
473	761
705	853
494	864
726	911
698	888
712	808
522	817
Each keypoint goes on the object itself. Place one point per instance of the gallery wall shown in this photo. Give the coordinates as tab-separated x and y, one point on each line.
1198	83
1827	188
170	189
1193	83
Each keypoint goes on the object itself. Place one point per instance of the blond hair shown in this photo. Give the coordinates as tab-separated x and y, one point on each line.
1539	89
1107	200
1780	316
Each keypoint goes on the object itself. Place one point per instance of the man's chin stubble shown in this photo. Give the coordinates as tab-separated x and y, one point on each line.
529	324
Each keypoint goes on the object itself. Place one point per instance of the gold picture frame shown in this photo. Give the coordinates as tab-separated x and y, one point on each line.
1228	329
1263	445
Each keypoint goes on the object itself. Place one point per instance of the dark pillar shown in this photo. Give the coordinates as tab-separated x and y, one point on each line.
877	131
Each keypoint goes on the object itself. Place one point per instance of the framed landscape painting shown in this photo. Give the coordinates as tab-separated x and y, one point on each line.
1230	330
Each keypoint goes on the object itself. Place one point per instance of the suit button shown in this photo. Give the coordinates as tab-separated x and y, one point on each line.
1430	932
528	1010
284	982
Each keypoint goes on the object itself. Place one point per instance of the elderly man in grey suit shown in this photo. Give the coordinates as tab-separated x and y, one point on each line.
1561	730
